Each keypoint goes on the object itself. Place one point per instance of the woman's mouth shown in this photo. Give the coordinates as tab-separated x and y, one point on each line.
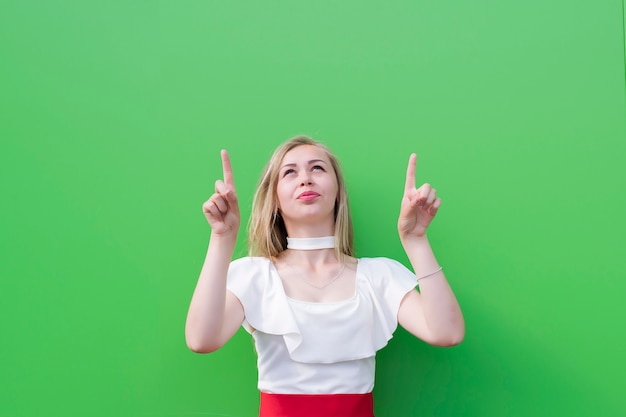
308	195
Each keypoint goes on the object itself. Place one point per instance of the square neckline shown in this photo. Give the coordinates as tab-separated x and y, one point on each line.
295	300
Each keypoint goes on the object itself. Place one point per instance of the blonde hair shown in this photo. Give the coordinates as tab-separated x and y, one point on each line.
267	235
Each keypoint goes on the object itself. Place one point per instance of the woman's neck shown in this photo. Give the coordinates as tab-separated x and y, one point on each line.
308	230
310	258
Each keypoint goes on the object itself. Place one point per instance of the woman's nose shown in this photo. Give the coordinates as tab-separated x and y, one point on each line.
305	179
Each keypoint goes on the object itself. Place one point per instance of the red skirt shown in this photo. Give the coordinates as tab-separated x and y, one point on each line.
316	405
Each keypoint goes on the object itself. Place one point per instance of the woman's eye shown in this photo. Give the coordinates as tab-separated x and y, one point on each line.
288	171
318	168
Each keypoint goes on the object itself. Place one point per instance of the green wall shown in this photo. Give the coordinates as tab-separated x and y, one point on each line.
112	115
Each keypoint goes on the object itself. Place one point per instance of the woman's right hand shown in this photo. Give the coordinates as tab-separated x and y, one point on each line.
222	209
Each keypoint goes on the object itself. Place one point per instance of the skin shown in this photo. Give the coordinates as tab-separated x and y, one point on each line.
215	314
307	191
432	314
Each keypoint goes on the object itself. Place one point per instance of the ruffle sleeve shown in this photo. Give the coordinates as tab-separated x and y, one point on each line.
262	296
387	281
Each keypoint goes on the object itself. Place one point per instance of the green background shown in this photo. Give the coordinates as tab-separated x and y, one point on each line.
112	115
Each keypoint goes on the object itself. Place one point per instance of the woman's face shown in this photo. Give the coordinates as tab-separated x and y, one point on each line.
307	186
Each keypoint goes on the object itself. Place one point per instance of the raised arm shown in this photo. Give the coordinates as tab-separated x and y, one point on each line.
432	314
215	313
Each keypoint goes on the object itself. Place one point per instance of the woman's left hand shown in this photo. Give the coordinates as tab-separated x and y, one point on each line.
419	206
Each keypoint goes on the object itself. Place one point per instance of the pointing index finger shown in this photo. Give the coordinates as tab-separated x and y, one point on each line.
227	168
410	173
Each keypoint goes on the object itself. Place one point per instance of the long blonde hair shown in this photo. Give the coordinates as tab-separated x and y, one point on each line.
267	235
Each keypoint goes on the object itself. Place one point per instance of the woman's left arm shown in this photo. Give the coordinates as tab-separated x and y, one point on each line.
432	314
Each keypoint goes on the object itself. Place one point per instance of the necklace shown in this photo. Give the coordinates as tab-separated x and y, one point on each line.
311	243
301	276
321	287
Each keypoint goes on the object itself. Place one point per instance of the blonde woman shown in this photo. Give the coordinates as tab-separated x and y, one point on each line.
317	314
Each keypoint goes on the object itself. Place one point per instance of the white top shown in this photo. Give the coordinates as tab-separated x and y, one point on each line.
319	348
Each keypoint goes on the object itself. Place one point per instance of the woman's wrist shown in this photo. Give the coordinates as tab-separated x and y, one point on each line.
414	240
229	238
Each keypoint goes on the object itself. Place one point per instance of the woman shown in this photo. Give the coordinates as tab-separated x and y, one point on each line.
317	314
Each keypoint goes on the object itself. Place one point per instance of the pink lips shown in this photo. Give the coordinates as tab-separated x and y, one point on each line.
308	195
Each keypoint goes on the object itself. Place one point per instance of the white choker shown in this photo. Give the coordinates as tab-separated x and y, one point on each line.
311	243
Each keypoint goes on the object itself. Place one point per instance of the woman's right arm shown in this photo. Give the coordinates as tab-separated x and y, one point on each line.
215	313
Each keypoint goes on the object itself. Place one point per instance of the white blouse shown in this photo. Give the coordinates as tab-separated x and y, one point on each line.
319	348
